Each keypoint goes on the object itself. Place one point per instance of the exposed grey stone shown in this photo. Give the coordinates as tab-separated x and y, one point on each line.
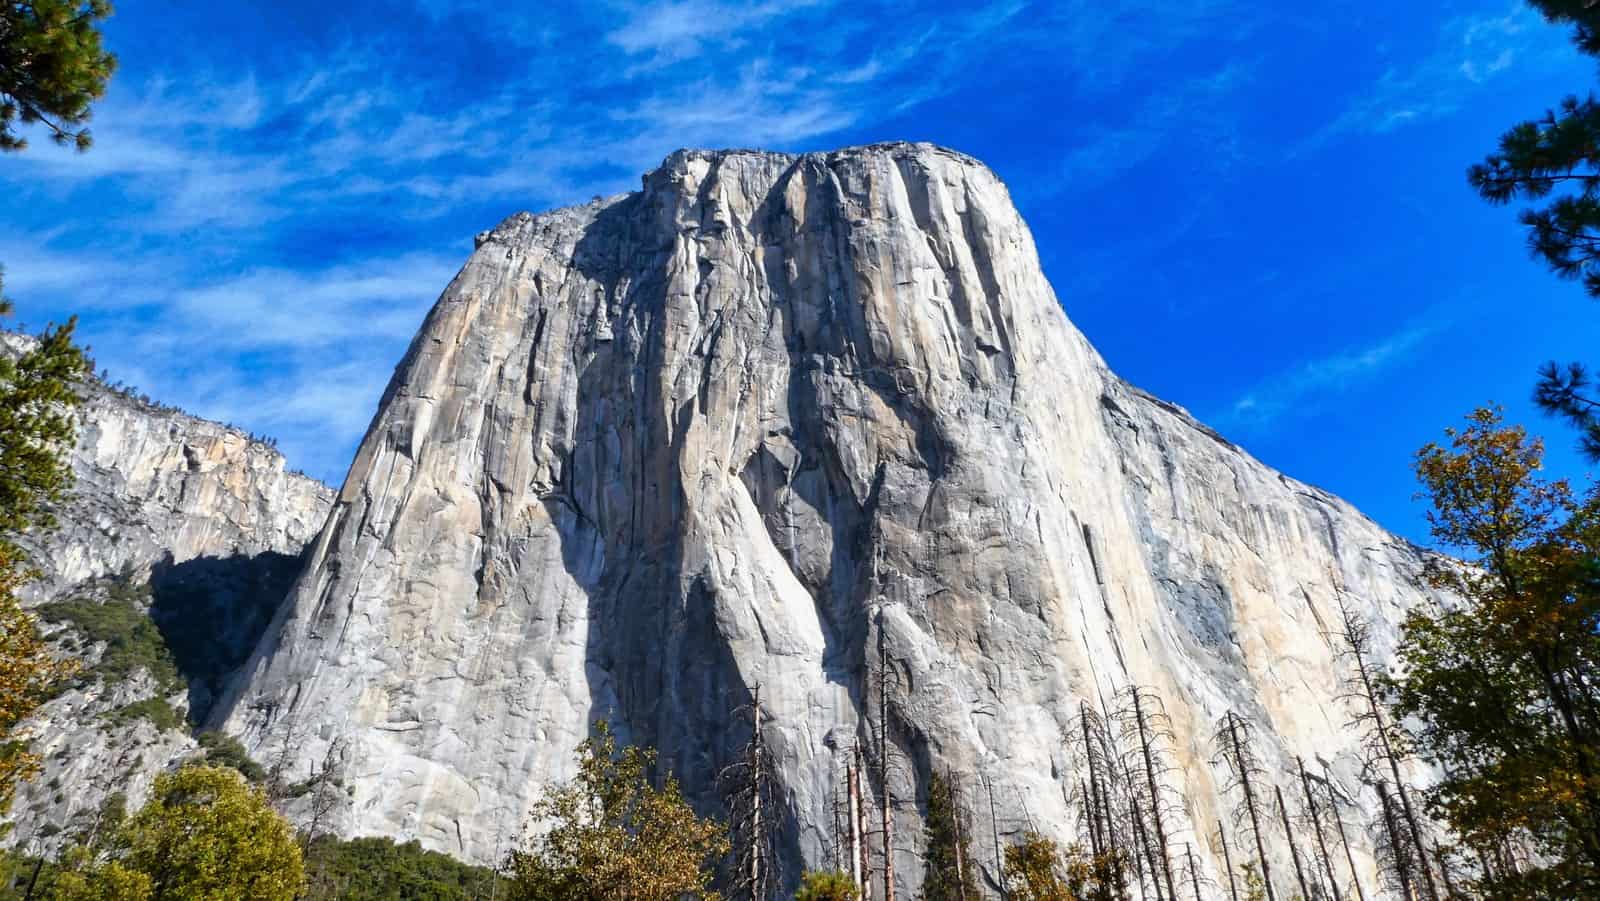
733	430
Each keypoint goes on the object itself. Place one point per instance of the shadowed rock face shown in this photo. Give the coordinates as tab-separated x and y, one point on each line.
747	426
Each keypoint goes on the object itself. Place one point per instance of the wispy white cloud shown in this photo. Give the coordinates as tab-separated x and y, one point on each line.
252	224
1469	53
681	28
1303	388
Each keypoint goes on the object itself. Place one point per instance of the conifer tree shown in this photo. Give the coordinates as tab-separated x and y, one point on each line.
38	390
948	836
52	68
1554	162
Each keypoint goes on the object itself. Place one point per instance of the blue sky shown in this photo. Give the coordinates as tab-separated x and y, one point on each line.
1254	209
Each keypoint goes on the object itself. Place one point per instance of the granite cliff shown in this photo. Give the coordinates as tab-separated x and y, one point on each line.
177	527
779	421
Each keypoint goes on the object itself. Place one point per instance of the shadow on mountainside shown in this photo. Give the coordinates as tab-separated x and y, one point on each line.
211	612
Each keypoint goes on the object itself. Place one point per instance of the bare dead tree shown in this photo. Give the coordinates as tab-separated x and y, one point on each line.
326	789
1142	842
279	788
1119	847
1338	822
1148	730
858	828
994	828
327	793
1244	770
1315	816
1294	850
1383	740
750	792
1393	845
958	820
1194	876
1227	862
885	790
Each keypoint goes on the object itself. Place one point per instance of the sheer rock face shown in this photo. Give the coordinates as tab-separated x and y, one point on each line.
205	520
153	486
765	422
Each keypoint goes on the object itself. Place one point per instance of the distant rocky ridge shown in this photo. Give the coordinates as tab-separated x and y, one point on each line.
192	521
768	421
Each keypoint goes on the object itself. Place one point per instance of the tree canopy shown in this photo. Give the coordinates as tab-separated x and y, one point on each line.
205	834
1500	688
1553	163
53	67
614	836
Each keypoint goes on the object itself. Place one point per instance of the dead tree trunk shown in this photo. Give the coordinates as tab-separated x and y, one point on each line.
1194	872
994	827
1142	842
1147	751
1338	821
1294	851
1316	828
858	850
749	785
1244	768
1227	862
885	795
1357	640
1397	847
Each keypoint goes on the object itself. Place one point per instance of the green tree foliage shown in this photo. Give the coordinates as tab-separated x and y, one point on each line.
205	834
827	886
225	750
1553	163
1502	688
613	836
949	875
1035	871
52	68
36	429
108	881
379	869
38	390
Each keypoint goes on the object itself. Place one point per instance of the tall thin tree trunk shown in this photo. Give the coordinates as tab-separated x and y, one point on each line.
994	827
1227	862
1316	827
1194	871
1444	871
883	764
1094	821
1155	793
1338	821
955	811
1142	842
858	851
1294	852
1397	848
1394	769
756	887
1251	806
1096	803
